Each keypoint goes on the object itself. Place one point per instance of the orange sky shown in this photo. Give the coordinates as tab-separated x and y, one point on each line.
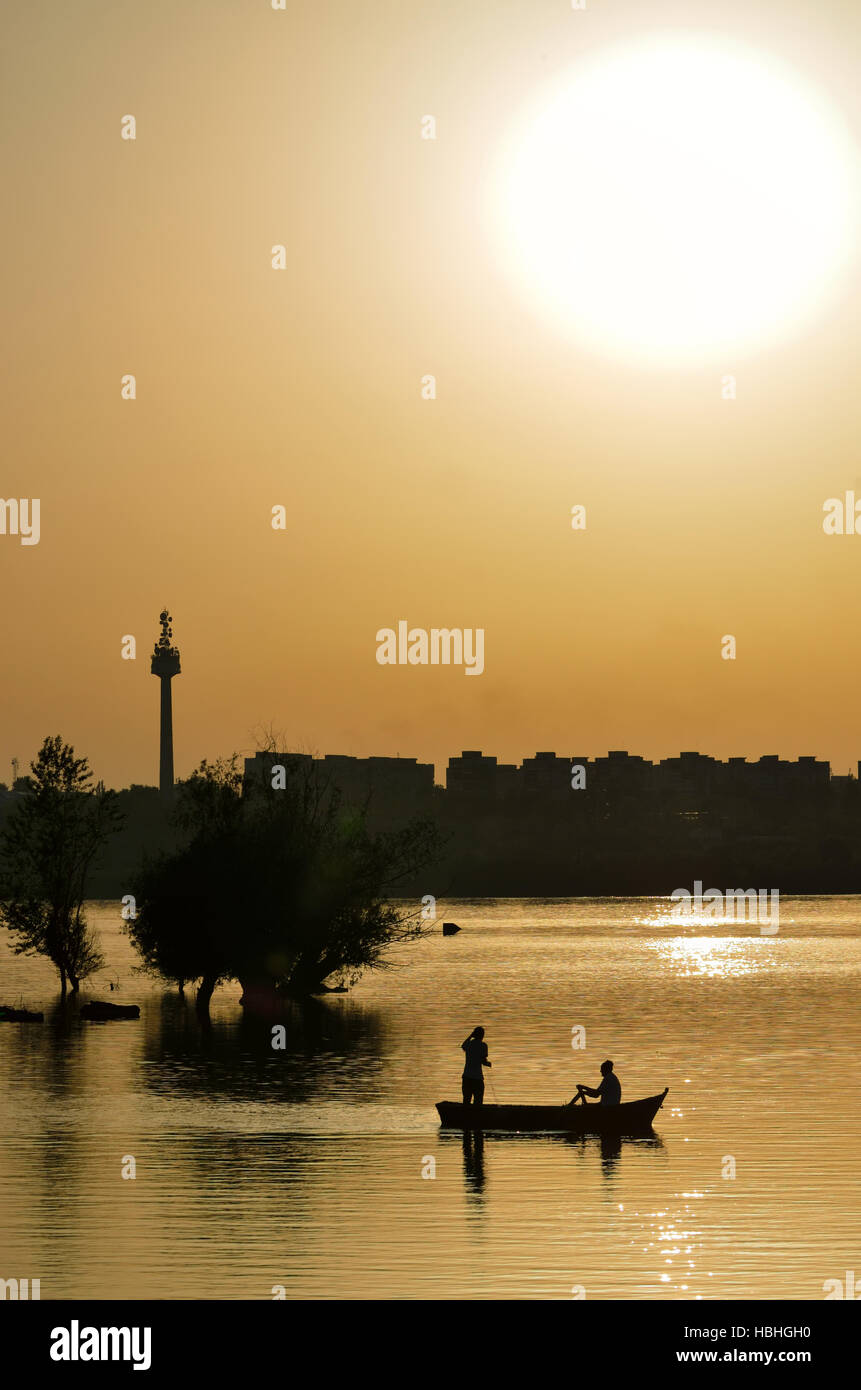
302	387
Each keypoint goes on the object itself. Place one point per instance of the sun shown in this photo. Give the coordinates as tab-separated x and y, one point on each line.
676	201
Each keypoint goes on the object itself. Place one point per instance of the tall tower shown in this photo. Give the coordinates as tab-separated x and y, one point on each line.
165	665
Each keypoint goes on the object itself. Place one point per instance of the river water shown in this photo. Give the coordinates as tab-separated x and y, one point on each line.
308	1169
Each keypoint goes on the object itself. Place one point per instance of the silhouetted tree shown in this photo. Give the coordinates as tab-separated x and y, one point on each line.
49	841
281	890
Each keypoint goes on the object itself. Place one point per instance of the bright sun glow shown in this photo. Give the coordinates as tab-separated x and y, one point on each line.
677	201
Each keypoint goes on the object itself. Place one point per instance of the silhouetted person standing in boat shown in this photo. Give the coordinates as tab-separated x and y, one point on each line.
610	1091
472	1083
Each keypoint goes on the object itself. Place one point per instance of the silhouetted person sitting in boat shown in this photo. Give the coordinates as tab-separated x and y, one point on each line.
610	1091
472	1083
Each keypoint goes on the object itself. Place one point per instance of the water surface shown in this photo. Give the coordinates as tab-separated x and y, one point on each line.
303	1168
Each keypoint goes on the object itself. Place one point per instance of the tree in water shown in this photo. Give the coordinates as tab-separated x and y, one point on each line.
282	890
48	844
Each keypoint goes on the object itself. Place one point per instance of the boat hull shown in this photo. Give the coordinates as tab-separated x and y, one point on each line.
632	1117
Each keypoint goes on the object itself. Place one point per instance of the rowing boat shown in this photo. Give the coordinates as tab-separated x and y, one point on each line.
632	1117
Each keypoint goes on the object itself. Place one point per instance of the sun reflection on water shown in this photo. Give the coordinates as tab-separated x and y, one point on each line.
720	957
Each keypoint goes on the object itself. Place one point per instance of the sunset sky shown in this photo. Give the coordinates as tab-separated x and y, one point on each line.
302	387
